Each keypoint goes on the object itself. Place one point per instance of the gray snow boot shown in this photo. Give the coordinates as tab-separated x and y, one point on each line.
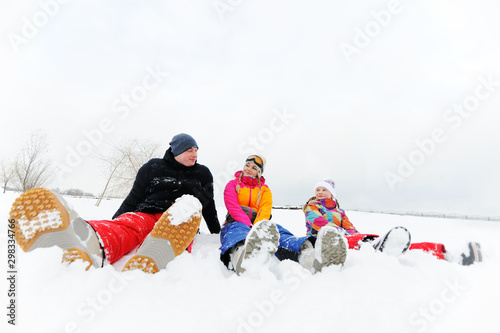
395	242
260	245
330	248
473	256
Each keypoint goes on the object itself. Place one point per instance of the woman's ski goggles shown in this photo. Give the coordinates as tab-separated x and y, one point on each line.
257	160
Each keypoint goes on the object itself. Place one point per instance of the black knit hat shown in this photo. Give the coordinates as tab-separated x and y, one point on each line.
182	142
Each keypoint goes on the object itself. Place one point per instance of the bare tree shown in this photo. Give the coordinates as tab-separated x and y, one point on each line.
122	164
7	174
136	153
32	168
113	163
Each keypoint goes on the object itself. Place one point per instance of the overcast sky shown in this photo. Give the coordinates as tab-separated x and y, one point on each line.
397	101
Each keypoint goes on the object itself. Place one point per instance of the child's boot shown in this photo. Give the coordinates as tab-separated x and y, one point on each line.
473	256
395	242
330	248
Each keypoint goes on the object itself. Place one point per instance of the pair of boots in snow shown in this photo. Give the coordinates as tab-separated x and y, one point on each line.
398	240
329	249
262	242
40	219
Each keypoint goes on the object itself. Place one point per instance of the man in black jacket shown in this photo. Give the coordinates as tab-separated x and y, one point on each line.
162	214
160	181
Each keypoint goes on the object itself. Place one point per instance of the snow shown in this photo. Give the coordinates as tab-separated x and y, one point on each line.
50	218
373	292
184	208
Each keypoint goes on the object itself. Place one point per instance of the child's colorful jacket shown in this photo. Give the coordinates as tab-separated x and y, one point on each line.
321	212
244	191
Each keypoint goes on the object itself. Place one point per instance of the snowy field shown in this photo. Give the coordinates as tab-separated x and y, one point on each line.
196	293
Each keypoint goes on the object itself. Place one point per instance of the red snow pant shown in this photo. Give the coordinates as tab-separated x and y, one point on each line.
436	249
125	233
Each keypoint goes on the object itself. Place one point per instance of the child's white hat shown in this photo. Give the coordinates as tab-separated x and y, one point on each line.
328	184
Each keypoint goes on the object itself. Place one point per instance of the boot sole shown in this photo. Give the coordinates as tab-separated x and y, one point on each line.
37	212
333	250
41	220
262	233
395	242
164	243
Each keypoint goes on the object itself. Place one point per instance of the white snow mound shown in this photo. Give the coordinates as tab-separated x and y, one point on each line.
184	208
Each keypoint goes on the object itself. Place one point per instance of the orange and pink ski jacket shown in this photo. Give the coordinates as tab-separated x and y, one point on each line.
248	192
